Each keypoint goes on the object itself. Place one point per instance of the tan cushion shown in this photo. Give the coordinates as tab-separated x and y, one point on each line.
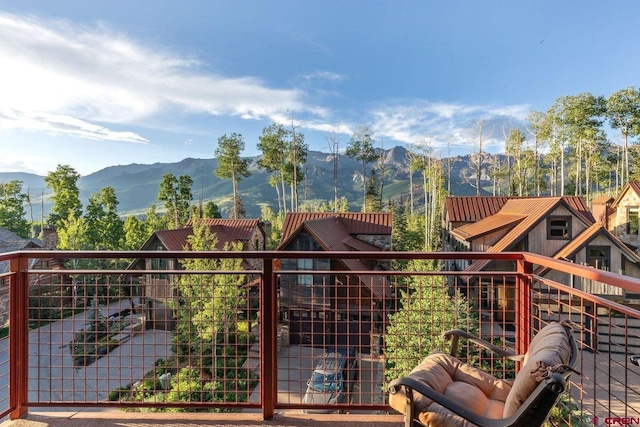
471	387
549	347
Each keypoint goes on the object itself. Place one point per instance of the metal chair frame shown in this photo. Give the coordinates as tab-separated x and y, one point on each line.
533	412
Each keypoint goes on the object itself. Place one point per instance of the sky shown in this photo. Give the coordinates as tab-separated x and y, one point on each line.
99	83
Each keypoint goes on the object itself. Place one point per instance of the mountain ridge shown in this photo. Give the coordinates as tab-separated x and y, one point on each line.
137	184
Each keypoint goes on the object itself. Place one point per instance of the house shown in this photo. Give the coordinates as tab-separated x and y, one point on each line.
599	248
560	227
477	223
462	210
624	215
44	289
334	307
156	288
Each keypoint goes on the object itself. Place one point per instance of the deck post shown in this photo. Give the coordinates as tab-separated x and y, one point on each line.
268	344
523	305
18	337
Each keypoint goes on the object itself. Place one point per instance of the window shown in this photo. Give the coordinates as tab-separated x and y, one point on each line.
159	264
599	257
559	228
632	219
305	279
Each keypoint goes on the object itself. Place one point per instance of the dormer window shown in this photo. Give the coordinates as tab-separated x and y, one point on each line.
559	228
599	257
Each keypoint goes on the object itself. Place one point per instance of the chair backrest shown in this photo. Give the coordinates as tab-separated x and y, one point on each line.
551	350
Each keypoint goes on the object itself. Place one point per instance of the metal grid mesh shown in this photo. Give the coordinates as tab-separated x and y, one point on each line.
107	338
608	335
101	339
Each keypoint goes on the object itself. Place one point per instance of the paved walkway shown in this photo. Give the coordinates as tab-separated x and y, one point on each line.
53	377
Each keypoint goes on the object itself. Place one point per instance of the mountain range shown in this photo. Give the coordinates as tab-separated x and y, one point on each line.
137	185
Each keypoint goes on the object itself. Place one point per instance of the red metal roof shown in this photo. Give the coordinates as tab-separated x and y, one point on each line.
534	211
476	208
472	208
371	223
226	231
492	223
236	229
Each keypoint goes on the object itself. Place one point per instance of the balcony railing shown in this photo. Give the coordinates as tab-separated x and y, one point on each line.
104	329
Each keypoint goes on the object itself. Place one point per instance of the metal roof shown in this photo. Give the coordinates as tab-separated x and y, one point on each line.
226	231
236	229
534	211
334	232
476	208
371	223
490	224
472	208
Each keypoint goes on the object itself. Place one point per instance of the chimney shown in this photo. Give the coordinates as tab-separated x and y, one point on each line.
49	237
601	209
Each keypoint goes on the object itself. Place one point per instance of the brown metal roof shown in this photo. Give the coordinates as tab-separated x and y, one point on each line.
226	231
602	200
371	223
334	232
476	208
487	225
236	229
570	249
535	210
472	208
176	240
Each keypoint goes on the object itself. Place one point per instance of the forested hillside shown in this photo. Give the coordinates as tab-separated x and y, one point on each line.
137	185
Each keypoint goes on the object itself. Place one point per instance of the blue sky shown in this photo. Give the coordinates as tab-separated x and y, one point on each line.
99	83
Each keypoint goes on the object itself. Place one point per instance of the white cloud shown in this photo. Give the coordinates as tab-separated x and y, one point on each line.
443	125
59	77
327	76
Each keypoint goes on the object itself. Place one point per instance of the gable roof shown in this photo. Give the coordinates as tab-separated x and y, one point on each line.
473	208
226	230
335	232
10	241
533	211
477	208
629	186
573	247
602	200
236	229
487	225
356	223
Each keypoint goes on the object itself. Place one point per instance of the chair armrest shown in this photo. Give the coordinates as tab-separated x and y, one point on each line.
455	334
532	412
411	384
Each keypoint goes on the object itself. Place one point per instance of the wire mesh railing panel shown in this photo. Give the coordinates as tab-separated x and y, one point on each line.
608	336
213	337
161	340
349	334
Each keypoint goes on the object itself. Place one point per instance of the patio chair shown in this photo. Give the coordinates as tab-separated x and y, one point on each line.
443	391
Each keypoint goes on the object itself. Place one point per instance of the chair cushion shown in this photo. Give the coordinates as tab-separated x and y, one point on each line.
471	387
550	347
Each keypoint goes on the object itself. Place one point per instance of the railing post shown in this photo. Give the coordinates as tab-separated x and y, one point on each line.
18	337
523	305
268	344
